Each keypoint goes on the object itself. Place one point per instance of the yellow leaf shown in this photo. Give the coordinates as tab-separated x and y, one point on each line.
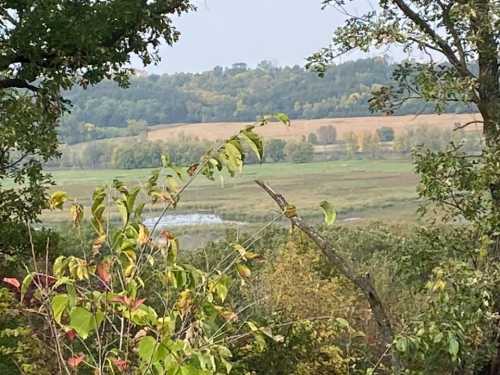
143	237
76	211
57	199
243	270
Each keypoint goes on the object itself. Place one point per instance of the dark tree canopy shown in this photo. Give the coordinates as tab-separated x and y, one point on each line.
47	46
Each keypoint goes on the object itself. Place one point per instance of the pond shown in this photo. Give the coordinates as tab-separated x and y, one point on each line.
178	220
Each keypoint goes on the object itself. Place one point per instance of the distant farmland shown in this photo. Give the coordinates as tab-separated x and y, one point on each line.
299	128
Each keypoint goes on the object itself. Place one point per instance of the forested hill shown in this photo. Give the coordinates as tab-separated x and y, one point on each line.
225	94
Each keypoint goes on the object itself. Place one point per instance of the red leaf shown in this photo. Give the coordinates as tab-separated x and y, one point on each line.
121	364
103	271
121	299
137	303
131	303
75	361
12	281
71	335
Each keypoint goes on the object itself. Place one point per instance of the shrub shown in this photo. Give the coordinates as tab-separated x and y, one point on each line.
274	150
385	134
301	152
312	138
327	135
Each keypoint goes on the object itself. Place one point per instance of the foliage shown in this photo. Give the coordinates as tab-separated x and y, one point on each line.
232	94
327	135
22	351
458	182
37	64
126	303
314	313
461	40
370	145
386	134
457	329
275	150
17	241
299	152
312	138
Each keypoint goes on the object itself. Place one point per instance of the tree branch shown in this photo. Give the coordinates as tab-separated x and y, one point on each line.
362	282
438	40
462	126
17	83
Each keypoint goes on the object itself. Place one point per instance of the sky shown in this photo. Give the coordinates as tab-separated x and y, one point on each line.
223	32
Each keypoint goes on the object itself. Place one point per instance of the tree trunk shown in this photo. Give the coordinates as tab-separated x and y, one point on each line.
489	106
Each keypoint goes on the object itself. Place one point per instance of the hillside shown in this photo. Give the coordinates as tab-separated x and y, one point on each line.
300	128
232	94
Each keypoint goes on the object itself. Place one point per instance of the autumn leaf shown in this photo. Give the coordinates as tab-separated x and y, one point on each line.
76	211
132	304
229	316
143	237
135	304
103	271
96	246
121	364
71	335
192	169
12	281
75	361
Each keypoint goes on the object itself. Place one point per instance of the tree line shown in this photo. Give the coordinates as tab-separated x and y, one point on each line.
236	93
321	145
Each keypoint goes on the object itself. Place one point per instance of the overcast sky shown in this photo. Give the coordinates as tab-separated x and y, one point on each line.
223	32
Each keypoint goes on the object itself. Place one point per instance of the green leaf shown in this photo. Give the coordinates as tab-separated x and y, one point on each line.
234	161
172	184
283	118
255	142
59	304
453	346
222	290
329	212
82	321
342	322
122	207
402	344
26	284
59	265
146	348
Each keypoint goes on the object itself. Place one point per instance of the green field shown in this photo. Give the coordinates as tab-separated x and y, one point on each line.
383	189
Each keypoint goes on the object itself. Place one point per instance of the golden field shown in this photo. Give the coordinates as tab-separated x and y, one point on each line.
300	128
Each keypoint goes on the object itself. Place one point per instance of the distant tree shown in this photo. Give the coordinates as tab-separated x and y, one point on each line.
300	152
385	134
47	47
327	135
96	155
351	142
312	138
136	127
274	150
370	145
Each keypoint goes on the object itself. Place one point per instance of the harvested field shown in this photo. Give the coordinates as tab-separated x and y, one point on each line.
299	128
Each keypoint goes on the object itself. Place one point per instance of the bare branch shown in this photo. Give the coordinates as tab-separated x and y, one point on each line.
462	126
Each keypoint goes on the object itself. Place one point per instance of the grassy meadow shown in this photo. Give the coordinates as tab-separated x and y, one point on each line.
359	189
